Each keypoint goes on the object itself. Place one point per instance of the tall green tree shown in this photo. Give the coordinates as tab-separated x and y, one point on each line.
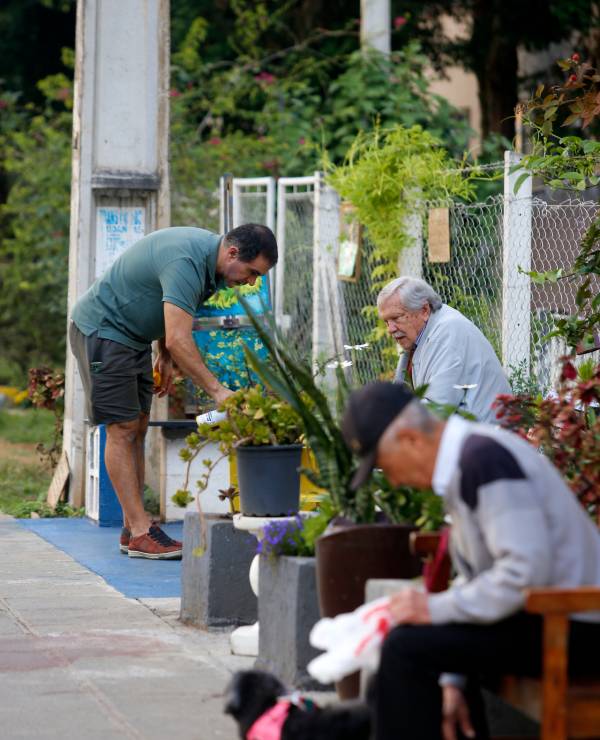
495	29
34	227
32	33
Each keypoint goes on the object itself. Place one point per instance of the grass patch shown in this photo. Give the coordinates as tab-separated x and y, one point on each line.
27	426
24	480
21	484
23	490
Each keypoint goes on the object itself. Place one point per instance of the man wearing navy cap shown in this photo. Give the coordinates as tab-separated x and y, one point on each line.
515	525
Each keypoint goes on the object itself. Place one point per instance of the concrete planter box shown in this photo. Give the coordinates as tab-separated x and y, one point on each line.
287	610
215	590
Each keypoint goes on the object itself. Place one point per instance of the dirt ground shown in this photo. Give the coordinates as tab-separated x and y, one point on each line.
20	453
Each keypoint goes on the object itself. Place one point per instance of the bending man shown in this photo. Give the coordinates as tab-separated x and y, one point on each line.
515	525
152	292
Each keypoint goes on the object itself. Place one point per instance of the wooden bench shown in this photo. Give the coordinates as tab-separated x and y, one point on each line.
565	708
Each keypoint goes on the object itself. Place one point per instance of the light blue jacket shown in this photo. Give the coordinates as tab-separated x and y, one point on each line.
452	351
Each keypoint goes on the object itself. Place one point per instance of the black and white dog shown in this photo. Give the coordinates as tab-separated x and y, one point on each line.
260	705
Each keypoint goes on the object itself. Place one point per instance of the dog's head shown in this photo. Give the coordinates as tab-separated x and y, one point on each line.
249	695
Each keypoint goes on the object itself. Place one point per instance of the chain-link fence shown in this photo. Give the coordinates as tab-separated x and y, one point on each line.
557	231
294	276
492	243
471	281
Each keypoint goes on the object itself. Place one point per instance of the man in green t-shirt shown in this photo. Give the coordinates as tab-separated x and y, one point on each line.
152	292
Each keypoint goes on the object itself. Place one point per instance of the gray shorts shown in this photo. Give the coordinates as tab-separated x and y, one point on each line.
117	379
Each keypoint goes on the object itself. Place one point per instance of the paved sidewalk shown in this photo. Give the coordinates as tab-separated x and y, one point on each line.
78	660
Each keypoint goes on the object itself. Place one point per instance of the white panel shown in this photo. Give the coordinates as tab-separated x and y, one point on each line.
126	93
175	477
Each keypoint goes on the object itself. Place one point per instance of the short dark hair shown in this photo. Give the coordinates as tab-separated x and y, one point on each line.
252	240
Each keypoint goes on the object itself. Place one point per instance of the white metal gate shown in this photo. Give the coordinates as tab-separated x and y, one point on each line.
307	300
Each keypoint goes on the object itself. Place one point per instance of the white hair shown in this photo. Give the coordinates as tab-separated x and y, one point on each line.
412	292
415	415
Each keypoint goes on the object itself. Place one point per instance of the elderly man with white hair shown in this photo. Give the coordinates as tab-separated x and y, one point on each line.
443	350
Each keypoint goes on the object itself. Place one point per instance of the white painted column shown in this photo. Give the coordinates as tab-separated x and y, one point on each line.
120	158
328	313
410	259
375	25
516	287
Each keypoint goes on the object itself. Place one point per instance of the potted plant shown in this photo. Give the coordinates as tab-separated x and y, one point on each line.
359	543
265	434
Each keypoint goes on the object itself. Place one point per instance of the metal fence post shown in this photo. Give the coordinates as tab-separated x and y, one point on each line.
225	203
280	267
516	250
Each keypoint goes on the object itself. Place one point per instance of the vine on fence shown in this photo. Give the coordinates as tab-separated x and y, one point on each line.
387	175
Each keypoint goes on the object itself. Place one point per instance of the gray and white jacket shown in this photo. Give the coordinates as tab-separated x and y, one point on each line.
453	352
515	525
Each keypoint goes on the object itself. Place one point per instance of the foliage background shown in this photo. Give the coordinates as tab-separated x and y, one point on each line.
258	87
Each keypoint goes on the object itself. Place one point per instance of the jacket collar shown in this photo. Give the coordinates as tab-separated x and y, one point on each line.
432	322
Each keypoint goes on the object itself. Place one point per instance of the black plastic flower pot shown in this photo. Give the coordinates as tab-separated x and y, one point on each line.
269	479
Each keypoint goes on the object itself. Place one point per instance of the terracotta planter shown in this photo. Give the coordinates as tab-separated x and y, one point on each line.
347	558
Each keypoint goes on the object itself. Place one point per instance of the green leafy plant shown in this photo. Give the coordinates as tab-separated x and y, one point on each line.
568	163
255	418
35	161
40	508
387	175
522	381
227	297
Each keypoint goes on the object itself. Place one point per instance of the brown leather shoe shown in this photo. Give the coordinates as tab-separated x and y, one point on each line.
124	540
155	545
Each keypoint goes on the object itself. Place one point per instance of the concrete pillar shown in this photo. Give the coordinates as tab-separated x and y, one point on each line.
120	182
375	25
516	261
410	259
328	310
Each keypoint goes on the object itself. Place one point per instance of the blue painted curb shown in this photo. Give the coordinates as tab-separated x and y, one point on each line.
97	548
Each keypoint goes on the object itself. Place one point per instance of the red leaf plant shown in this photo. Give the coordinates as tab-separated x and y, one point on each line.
565	426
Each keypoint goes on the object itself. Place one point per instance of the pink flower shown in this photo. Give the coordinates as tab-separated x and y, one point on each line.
173	93
214	141
302	141
63	93
3	104
265	77
399	21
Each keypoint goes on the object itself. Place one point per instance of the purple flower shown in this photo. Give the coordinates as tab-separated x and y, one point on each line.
280	537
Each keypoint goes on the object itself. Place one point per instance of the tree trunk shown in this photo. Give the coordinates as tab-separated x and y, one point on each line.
495	64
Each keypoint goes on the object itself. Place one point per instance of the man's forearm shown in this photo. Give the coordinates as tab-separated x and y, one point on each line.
162	347
189	360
